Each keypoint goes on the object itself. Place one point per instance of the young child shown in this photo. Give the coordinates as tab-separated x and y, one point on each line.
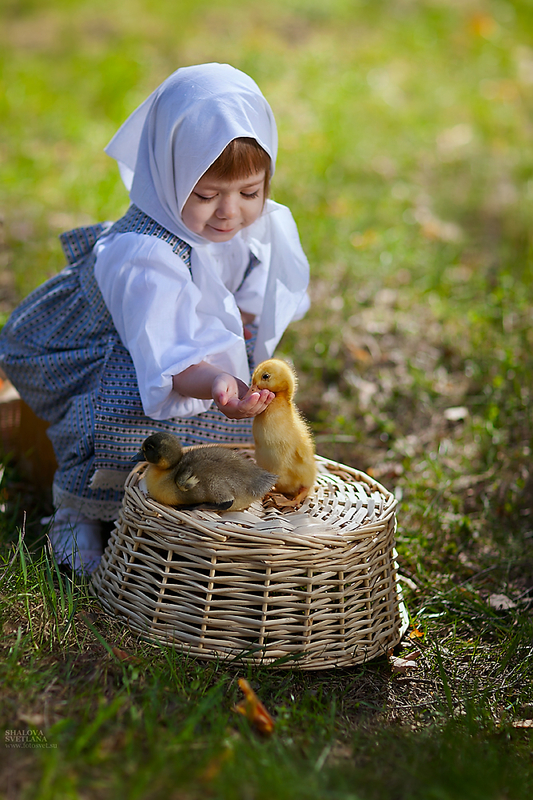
157	319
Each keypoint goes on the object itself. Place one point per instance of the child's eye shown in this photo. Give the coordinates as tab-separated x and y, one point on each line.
203	199
250	196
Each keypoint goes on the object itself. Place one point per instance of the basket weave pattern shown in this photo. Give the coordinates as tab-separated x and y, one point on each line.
316	586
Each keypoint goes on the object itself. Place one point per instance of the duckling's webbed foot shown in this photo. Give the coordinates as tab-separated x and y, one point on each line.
301	494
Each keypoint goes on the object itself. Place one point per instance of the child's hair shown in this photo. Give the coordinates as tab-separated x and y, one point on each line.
239	159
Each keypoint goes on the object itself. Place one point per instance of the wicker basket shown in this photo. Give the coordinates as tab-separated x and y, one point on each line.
314	587
23	436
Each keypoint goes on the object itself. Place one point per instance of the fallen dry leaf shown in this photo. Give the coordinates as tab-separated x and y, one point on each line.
500	602
122	655
523	723
254	710
415	634
403	664
279	501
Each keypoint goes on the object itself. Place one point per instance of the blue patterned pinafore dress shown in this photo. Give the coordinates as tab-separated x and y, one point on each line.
62	352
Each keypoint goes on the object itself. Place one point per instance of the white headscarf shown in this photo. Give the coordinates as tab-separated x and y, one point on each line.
165	147
172	139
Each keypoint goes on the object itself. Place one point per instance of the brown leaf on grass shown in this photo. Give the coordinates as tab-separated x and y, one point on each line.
254	710
122	655
523	723
403	664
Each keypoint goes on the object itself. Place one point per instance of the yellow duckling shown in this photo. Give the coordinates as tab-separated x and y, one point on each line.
283	442
210	476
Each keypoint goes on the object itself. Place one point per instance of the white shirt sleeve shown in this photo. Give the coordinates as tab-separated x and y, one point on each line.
156	309
302	309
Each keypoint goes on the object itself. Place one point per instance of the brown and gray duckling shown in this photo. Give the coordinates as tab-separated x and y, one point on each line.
205	476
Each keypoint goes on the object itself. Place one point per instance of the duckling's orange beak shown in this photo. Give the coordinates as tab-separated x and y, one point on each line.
255	388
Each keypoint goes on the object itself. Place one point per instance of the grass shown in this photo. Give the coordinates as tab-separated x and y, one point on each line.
405	156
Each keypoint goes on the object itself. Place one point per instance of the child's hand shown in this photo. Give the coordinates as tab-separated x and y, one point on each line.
231	395
236	401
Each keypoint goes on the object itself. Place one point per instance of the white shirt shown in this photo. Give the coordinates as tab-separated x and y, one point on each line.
169	320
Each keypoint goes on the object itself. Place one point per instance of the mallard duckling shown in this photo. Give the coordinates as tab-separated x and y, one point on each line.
283	442
211	476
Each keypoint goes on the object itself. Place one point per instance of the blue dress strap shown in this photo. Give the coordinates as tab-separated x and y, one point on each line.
80	241
136	221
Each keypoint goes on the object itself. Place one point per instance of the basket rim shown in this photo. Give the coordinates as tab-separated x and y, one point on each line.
362	477
258	526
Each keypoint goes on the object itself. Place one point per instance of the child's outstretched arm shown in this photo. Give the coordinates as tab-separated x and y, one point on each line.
231	395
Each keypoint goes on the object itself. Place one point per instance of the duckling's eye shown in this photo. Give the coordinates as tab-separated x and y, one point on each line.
265	376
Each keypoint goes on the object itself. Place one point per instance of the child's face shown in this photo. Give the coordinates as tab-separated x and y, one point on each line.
217	209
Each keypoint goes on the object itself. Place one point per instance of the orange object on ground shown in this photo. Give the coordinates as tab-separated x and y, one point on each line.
254	710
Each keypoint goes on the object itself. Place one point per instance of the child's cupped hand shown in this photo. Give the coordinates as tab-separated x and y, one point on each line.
236	400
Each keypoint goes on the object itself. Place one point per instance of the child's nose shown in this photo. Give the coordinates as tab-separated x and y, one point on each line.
228	207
